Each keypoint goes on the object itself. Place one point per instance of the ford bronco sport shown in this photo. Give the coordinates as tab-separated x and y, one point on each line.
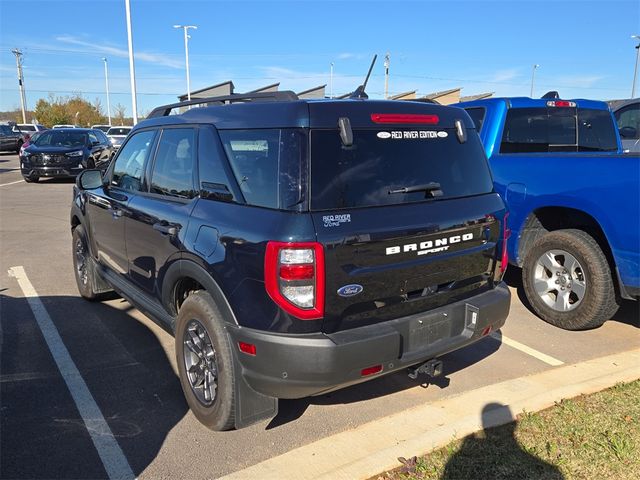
295	247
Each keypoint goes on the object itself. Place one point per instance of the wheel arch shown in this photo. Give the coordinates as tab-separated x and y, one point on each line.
184	277
548	219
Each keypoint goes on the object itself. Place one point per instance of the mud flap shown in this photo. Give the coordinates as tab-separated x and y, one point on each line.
251	407
98	284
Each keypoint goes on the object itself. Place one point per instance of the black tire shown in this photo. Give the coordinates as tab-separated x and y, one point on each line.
199	310
83	273
588	287
31	179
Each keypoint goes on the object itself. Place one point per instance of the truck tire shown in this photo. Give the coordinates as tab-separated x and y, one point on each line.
205	362
82	267
32	179
568	282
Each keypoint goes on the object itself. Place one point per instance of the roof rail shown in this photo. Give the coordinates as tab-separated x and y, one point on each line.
284	96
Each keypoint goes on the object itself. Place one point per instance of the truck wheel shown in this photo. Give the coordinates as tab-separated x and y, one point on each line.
205	362
31	179
81	266
568	282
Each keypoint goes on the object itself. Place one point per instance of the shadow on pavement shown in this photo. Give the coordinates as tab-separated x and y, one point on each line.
478	456
628	313
291	410
125	368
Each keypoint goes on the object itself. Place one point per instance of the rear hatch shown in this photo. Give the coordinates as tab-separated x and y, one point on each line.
390	251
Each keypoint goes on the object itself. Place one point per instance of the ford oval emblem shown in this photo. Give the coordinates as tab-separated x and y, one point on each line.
350	290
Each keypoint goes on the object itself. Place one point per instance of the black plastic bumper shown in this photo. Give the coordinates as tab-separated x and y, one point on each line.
296	366
51	170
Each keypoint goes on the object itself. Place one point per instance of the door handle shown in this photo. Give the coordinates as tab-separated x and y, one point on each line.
165	229
115	212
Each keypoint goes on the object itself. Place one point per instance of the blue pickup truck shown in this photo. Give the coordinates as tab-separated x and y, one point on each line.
574	204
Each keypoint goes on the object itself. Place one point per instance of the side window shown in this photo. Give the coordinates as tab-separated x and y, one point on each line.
93	138
129	166
628	119
253	156
596	131
477	115
102	137
173	168
211	168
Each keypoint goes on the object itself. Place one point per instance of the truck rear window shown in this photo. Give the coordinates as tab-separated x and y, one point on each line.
558	129
378	162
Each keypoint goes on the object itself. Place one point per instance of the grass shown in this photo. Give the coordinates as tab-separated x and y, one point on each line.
589	437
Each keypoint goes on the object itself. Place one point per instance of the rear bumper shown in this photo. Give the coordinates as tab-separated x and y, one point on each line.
296	366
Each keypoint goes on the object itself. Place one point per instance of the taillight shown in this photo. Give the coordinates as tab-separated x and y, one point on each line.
404	118
294	278
560	103
506	233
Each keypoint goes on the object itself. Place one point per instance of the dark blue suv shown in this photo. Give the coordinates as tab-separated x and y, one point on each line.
296	247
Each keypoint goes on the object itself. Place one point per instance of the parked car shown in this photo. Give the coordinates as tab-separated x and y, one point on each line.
627	115
118	134
64	153
10	140
64	126
28	128
102	128
295	247
573	202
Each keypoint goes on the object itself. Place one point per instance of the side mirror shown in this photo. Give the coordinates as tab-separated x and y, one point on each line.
628	132
89	179
93	144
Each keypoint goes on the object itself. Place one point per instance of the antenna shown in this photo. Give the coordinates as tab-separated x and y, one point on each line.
359	92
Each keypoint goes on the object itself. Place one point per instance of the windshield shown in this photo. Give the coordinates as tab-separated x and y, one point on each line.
61	139
119	131
379	163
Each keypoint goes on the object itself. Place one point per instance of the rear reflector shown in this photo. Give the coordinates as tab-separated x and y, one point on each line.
371	370
404	118
560	103
486	331
248	348
297	272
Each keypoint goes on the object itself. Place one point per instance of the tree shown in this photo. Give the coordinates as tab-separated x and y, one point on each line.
74	110
118	117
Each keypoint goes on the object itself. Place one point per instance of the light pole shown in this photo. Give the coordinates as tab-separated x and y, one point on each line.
635	70
132	71
185	28
533	73
387	61
106	81
23	100
331	82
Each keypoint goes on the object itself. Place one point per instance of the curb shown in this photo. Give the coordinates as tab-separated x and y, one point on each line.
374	447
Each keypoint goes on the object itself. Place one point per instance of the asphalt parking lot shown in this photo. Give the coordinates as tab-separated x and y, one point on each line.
128	365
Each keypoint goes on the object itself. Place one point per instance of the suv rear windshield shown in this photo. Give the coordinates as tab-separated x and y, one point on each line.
363	174
554	129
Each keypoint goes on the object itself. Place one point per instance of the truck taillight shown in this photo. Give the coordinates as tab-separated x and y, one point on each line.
294	277
506	233
560	103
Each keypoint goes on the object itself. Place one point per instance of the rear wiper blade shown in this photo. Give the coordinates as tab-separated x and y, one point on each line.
431	188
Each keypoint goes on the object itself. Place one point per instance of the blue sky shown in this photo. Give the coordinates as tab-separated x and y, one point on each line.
583	48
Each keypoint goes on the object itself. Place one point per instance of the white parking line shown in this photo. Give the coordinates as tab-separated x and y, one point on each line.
11	183
528	350
113	459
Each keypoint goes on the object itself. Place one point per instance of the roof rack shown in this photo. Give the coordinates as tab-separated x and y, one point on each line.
284	96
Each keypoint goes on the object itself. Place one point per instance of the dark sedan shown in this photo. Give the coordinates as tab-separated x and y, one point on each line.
65	153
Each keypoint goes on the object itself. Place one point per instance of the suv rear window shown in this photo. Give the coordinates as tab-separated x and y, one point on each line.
363	174
558	129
